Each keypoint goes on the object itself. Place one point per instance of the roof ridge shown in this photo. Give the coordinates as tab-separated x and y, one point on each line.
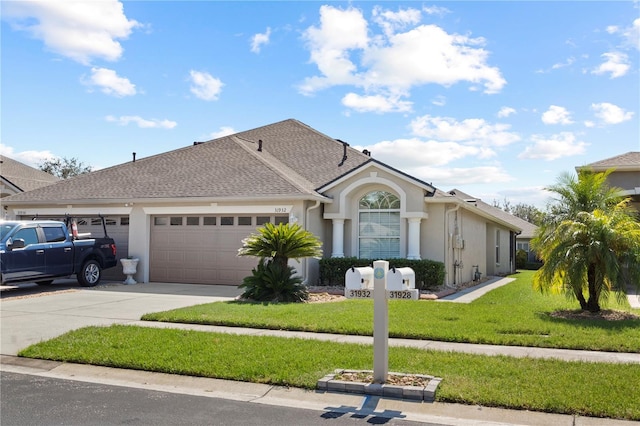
276	165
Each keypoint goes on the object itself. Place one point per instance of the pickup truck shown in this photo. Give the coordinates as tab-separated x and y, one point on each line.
42	250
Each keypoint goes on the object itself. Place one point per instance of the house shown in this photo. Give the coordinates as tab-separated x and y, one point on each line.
185	212
625	175
17	177
527	229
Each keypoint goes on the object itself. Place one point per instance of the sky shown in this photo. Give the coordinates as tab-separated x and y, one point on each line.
494	98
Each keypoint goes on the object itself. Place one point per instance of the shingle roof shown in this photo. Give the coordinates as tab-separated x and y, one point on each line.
629	161
24	177
294	159
527	228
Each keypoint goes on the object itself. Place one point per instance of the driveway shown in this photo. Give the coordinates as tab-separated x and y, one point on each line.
30	314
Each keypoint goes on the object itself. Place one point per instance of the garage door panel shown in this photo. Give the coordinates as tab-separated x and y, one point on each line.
202	254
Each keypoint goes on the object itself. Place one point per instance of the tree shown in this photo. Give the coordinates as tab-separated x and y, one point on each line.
589	241
64	167
275	244
524	211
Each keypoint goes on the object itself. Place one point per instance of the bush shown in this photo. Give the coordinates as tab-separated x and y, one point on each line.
521	259
429	273
270	282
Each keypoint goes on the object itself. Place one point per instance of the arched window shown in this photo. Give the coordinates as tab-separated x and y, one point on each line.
379	226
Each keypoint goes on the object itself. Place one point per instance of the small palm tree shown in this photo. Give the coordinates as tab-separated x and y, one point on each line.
279	243
589	242
273	279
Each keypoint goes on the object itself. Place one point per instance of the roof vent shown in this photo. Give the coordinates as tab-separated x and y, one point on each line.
197	143
134	157
366	152
260	145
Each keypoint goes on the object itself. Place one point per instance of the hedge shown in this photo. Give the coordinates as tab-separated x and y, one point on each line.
429	273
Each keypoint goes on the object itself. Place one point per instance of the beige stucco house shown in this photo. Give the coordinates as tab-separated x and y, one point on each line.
185	212
16	177
625	175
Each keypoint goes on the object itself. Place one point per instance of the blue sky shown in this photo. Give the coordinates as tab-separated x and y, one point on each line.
494	98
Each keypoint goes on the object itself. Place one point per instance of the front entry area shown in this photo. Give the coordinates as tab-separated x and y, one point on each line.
202	249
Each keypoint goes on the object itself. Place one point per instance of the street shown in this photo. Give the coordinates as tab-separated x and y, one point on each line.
36	400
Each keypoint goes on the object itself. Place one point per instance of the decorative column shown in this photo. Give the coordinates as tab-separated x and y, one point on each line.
413	249
338	238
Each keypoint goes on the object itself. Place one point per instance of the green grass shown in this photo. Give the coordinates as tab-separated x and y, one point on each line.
513	314
587	389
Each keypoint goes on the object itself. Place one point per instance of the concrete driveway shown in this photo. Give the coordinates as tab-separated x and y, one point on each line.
30	314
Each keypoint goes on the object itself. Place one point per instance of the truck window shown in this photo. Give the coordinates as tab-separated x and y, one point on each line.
54	234
29	236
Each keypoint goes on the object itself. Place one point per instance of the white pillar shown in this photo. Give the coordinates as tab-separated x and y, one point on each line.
413	249
338	238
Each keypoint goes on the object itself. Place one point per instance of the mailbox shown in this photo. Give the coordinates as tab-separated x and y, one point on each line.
400	279
359	278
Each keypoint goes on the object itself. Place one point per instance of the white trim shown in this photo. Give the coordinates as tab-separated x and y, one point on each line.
214	208
73	211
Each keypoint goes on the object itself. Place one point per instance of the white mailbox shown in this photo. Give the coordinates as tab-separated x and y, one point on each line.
401	279
359	278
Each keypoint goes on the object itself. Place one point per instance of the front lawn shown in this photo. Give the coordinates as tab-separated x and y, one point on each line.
514	314
586	389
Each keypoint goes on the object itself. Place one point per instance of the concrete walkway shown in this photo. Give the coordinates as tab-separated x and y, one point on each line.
30	317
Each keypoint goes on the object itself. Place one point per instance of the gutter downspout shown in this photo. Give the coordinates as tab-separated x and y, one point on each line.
306	225
447	264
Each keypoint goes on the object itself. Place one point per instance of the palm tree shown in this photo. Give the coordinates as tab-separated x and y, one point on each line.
589	242
279	243
273	279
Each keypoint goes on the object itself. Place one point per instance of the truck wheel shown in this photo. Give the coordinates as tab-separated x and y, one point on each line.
90	273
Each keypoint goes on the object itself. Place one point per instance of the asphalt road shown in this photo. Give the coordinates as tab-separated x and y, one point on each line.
35	400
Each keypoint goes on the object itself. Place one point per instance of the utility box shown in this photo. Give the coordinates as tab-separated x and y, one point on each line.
401	279
359	278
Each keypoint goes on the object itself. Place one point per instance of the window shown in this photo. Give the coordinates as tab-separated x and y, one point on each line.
282	219
379	226
209	220
193	221
175	220
261	220
54	234
497	246
226	221
159	221
244	220
29	236
522	246
124	221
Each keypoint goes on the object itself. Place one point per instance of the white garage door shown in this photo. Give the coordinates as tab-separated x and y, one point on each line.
202	249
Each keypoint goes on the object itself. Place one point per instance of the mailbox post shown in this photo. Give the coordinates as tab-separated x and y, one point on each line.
380	322
397	285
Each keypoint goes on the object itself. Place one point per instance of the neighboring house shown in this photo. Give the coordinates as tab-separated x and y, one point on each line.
527	229
16	177
626	174
185	212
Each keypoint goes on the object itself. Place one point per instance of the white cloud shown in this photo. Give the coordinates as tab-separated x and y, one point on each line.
459	176
205	86
439	100
405	55
141	122
79	30
375	103
556	115
556	146
610	113
224	131
472	131
567	63
110	83
631	34
505	112
259	39
617	64
30	158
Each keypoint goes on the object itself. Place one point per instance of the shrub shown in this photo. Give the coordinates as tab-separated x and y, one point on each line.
521	259
270	282
429	273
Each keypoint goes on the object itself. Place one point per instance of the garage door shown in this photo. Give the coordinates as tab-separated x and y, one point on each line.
202	249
